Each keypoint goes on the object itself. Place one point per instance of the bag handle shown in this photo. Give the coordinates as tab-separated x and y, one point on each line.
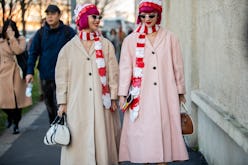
185	107
64	118
59	120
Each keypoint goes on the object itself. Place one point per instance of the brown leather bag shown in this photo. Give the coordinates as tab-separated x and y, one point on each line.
186	122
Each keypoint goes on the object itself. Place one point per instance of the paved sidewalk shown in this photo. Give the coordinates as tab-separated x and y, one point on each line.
27	148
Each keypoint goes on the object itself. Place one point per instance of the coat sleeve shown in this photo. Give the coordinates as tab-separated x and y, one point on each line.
113	72
125	68
61	77
177	61
18	45
34	52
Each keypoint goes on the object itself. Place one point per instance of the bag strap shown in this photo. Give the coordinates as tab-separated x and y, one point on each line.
185	107
64	118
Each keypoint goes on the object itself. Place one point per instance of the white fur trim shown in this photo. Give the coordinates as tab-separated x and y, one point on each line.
133	115
100	62
158	2
106	100
135	91
103	80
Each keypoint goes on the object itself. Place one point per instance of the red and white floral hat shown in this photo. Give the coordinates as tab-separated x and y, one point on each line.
155	4
81	14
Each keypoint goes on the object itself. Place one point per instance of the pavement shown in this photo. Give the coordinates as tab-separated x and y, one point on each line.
27	148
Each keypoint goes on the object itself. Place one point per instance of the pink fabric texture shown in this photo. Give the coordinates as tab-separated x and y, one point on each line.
155	136
83	21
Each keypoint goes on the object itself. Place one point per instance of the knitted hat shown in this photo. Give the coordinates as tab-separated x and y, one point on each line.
149	6
81	14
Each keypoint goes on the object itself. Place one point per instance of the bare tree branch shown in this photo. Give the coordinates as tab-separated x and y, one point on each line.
3	7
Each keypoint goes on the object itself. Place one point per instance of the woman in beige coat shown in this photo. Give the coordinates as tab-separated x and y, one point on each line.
12	86
86	78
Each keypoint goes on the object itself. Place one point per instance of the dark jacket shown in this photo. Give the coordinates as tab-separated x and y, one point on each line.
46	44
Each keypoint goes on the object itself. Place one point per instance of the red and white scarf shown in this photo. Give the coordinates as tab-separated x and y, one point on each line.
100	64
138	69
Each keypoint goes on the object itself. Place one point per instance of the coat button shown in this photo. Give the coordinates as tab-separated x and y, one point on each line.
90	74
154	67
90	89
155	83
153	52
88	59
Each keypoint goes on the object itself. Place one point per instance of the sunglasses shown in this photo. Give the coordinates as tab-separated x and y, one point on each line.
96	17
151	16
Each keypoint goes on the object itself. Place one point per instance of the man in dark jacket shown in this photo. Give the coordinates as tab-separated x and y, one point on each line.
46	44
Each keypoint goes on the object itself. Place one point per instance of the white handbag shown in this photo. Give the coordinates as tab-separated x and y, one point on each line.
58	133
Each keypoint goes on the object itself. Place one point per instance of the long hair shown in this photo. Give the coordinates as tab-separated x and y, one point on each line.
12	24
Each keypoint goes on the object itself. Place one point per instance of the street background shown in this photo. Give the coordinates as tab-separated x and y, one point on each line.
28	148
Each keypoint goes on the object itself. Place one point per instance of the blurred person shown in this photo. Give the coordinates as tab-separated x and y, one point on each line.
116	43
121	34
43	22
151	71
12	86
87	81
46	45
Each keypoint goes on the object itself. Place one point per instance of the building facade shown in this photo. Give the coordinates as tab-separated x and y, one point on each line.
214	41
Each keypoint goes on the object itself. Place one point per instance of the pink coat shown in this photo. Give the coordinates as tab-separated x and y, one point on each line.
155	136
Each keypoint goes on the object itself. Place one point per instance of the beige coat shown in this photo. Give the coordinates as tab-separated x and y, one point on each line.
155	136
94	130
11	84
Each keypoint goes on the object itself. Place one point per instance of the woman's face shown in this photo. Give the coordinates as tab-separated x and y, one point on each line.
94	21
9	32
149	19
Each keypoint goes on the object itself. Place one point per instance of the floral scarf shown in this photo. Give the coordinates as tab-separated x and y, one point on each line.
138	69
100	64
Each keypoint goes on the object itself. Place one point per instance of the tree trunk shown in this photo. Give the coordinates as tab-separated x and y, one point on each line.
3	7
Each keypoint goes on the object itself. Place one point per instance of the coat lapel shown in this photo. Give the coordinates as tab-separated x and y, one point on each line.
158	39
81	47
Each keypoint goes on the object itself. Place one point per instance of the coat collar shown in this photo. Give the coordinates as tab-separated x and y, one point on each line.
81	47
158	39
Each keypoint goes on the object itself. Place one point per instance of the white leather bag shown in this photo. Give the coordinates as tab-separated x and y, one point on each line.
58	133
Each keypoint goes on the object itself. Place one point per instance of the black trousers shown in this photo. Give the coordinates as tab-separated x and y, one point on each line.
14	115
49	92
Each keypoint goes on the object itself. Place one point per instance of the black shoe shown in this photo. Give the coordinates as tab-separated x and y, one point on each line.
8	124
41	97
16	130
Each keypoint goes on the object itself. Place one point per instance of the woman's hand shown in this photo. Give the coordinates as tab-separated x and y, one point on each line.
182	98
121	101
29	78
114	106
62	109
10	33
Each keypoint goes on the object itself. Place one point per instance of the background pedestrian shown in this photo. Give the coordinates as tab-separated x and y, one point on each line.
46	45
12	86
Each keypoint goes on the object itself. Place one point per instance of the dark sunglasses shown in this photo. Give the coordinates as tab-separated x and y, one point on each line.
151	16
96	17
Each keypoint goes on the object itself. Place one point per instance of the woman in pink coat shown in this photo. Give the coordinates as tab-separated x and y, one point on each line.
12	86
151	71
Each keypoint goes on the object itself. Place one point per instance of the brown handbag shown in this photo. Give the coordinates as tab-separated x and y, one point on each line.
186	122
